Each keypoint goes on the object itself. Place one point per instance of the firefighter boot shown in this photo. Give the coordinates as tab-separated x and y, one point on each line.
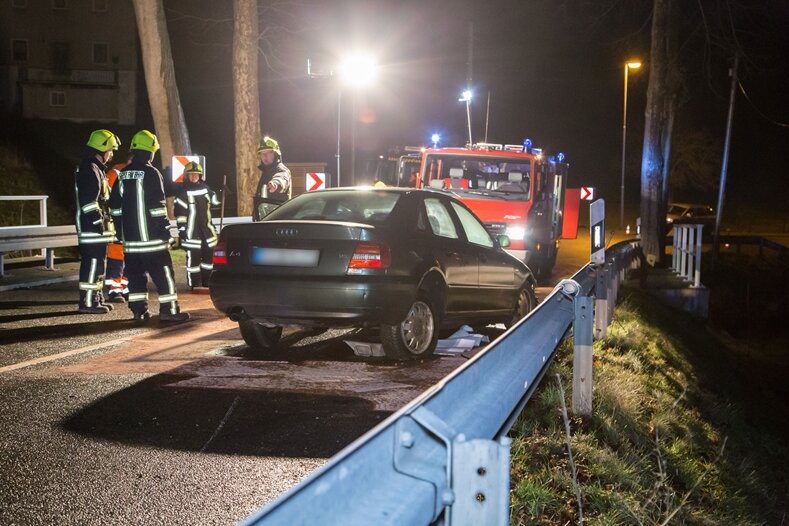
102	303
95	309
167	316
88	303
141	316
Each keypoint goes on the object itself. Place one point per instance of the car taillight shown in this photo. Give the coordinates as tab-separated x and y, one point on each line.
220	253
370	255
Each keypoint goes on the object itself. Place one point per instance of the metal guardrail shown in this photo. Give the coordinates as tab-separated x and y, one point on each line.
761	242
445	455
48	238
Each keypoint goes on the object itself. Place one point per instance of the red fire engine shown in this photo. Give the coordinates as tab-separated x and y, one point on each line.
514	189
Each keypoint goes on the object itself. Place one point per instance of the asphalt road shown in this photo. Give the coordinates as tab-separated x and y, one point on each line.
108	422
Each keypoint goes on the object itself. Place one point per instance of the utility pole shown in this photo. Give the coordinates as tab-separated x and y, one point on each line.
725	163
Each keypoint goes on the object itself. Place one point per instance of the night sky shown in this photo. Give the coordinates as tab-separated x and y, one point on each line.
554	70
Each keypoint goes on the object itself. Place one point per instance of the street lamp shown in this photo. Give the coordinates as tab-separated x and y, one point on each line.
357	71
466	97
631	64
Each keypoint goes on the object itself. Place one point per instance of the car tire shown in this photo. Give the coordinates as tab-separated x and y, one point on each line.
259	337
524	305
415	336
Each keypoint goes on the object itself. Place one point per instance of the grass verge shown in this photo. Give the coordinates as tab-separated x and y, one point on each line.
685	430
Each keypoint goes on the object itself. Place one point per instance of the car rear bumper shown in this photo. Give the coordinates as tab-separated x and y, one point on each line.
312	303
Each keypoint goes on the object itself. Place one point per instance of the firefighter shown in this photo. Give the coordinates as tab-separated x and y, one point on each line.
193	200
274	182
137	202
115	281
94	223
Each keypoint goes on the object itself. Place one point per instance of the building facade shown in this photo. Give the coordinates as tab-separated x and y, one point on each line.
69	59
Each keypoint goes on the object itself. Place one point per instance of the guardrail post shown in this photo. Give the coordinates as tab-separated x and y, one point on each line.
582	355
600	304
697	274
691	253
609	283
683	260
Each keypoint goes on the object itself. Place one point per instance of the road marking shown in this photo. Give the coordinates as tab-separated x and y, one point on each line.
66	354
88	348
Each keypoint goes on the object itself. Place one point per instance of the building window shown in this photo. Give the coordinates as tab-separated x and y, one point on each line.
19	4
57	98
99	5
60	58
19	50
59	4
101	53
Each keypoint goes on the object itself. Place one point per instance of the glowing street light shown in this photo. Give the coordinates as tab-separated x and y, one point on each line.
631	64
466	97
356	71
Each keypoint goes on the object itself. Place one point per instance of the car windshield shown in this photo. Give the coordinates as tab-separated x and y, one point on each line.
676	209
360	206
510	176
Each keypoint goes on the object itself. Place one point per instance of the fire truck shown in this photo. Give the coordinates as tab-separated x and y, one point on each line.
399	166
515	189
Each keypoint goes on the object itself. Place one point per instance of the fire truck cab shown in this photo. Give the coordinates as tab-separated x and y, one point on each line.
398	167
514	189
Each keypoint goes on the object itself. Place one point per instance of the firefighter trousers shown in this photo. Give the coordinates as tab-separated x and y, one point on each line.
159	266
93	259
199	264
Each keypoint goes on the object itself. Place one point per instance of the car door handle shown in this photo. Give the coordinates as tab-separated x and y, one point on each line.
453	254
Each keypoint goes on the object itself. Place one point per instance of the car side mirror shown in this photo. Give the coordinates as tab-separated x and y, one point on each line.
504	240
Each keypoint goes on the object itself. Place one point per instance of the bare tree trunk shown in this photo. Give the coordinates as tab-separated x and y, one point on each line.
661	97
246	103
157	58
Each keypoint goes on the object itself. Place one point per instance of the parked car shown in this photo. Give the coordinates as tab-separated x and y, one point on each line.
404	261
689	213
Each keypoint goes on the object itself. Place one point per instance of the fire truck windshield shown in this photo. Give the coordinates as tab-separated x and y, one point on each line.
484	174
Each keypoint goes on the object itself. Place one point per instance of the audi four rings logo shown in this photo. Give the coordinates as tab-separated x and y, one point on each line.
287	232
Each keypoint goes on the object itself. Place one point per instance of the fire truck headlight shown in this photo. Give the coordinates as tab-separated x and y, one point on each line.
516	232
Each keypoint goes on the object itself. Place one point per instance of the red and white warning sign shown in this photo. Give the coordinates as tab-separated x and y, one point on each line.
180	161
587	193
315	181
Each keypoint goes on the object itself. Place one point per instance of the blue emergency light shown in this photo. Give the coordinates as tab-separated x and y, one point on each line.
434	139
527	144
560	156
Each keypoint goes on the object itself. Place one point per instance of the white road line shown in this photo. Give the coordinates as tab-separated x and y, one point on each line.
66	354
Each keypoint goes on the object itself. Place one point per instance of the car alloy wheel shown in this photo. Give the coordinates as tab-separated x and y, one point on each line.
415	336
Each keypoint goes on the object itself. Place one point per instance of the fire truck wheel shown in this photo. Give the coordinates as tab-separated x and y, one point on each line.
526	302
414	337
260	338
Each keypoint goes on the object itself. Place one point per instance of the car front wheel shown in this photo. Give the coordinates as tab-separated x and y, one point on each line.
526	302
415	336
258	336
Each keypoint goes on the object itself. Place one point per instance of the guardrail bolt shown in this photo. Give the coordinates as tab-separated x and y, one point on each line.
480	497
448	497
482	471
406	439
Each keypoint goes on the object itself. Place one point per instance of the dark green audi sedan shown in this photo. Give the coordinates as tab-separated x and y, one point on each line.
405	262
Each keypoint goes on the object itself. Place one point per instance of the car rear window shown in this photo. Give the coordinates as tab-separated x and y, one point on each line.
360	206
